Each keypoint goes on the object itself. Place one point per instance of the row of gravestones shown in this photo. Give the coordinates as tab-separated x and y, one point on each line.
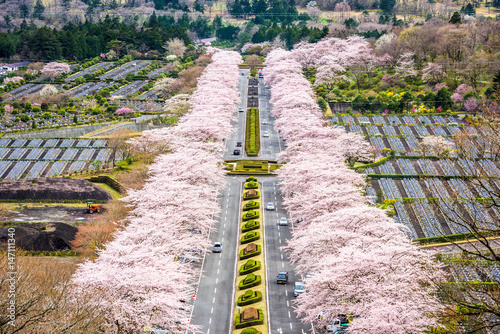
251	228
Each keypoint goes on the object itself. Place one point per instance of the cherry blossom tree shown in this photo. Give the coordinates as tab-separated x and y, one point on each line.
124	111
13	79
433	73
364	262
138	270
54	69
405	66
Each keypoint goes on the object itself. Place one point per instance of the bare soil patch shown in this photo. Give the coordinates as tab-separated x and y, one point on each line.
41	237
52	189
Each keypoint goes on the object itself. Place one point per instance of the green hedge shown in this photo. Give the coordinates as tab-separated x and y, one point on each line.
250	281
251	179
247	197
250	331
251	185
419	176
374	164
251	205
249	267
238	324
252	133
456	237
250	236
249	297
249	255
250	225
250	215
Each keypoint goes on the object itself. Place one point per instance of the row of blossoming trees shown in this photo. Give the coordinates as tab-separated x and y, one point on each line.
142	281
365	265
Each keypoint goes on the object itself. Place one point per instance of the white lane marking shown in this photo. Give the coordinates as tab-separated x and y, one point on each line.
216	280
224	224
215	291
279	234
282	265
222	239
282	256
286	293
208	332
287	304
223	232
212	310
219	262
225	212
210	321
290	324
280	240
213	301
217	271
289	317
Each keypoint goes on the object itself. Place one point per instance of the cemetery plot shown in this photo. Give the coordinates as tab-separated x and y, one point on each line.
122	71
36	158
150	106
16	93
89	70
129	89
37	168
88	88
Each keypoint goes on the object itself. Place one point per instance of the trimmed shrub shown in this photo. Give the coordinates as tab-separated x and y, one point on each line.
246	196
251	179
250	281
249	297
249	267
250	225
250	331
249	255
251	205
252	138
238	324
250	215
249	237
251	185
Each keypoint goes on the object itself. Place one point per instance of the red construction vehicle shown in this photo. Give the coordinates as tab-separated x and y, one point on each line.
91	207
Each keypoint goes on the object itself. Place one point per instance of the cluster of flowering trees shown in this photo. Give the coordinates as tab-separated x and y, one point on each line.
54	69
364	263
124	111
143	282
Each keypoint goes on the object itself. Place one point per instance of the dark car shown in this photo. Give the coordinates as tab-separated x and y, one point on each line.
282	277
238	144
236	152
217	248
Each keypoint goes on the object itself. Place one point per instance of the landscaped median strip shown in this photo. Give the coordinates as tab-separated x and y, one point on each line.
250	309
252	134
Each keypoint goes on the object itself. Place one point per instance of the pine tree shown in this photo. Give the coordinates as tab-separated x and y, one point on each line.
456	18
38	10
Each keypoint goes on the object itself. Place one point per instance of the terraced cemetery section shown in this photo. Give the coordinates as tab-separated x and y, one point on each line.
23	158
250	296
431	195
252	134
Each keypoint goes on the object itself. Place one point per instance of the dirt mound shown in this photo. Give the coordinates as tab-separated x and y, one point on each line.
55	236
51	189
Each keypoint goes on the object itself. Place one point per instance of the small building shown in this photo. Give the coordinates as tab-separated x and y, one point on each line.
7	68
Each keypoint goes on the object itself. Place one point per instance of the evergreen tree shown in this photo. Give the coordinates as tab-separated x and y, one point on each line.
38	10
496	82
387	5
456	18
113	4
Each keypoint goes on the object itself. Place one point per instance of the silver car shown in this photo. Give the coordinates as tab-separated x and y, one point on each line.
283	221
270	206
298	289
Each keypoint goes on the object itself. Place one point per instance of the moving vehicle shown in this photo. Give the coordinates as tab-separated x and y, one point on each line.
270	206
264	121
241	110
298	289
285	144
91	207
282	277
265	134
236	152
238	144
338	325
283	221
217	248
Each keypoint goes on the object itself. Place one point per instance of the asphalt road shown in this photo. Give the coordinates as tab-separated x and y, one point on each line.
282	318
214	300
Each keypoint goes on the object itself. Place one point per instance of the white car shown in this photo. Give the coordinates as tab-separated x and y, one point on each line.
264	121
283	221
265	134
285	144
270	206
